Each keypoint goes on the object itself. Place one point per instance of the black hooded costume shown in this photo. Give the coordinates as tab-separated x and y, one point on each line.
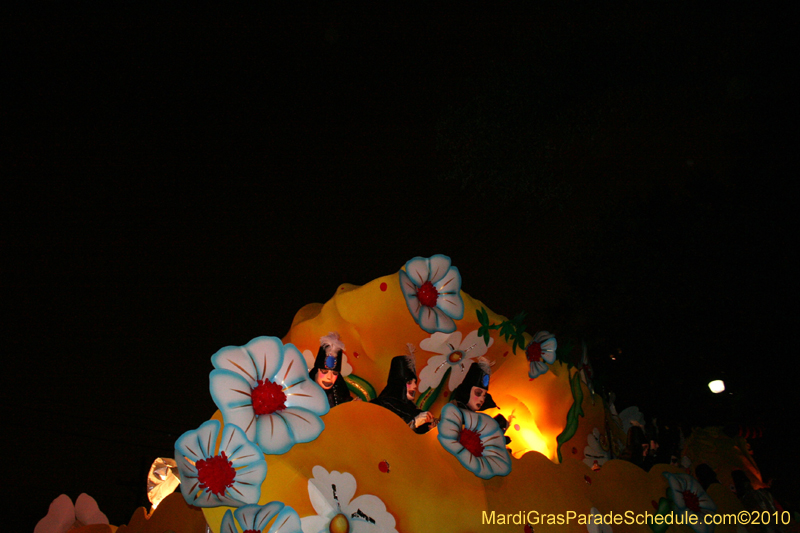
476	377
329	357
394	396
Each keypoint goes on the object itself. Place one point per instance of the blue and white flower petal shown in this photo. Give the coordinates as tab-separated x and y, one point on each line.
541	352
258	517
441	283
689	498
492	458
288	403
196	450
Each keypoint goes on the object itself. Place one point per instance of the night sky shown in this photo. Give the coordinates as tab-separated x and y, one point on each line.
179	180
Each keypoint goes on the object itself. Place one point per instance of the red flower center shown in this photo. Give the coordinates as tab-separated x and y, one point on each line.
427	294
691	500
456	356
215	473
268	397
472	442
534	352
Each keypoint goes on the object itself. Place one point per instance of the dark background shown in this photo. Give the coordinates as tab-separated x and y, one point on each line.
179	180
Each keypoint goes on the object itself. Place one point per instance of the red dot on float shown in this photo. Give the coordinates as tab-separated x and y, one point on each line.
355	354
587	479
516	426
505	354
384	286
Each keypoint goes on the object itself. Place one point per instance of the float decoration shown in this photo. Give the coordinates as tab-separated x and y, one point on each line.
432	291
264	388
231	476
331	495
361	440
572	416
476	440
541	352
256	518
686	498
455	358
509	329
62	515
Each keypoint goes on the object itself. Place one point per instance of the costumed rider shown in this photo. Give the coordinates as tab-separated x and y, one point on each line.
398	395
328	367
473	392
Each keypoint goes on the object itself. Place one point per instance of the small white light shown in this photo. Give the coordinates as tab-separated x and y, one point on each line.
716	386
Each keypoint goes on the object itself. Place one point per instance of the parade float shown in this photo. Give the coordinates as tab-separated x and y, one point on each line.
277	458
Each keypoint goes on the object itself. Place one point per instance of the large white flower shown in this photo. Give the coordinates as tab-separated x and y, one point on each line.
264	388
455	354
230	477
476	440
689	498
331	495
541	352
595	452
256	518
432	289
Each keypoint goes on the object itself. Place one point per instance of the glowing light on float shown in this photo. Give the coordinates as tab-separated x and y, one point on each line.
716	386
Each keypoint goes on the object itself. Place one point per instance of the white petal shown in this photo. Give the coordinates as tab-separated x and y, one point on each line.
256	517
440	342
449	283
458	373
228	525
273	435
314	524
474	346
432	374
200	443
230	391
304	425
418	269
288	521
299	388
427	320
373	507
434	319
452	305
439	267
259	358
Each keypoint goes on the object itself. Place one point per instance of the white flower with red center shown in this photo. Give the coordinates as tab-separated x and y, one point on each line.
541	352
264	388
331	495
597	452
256	519
230	476
690	499
432	289
454	354
476	440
